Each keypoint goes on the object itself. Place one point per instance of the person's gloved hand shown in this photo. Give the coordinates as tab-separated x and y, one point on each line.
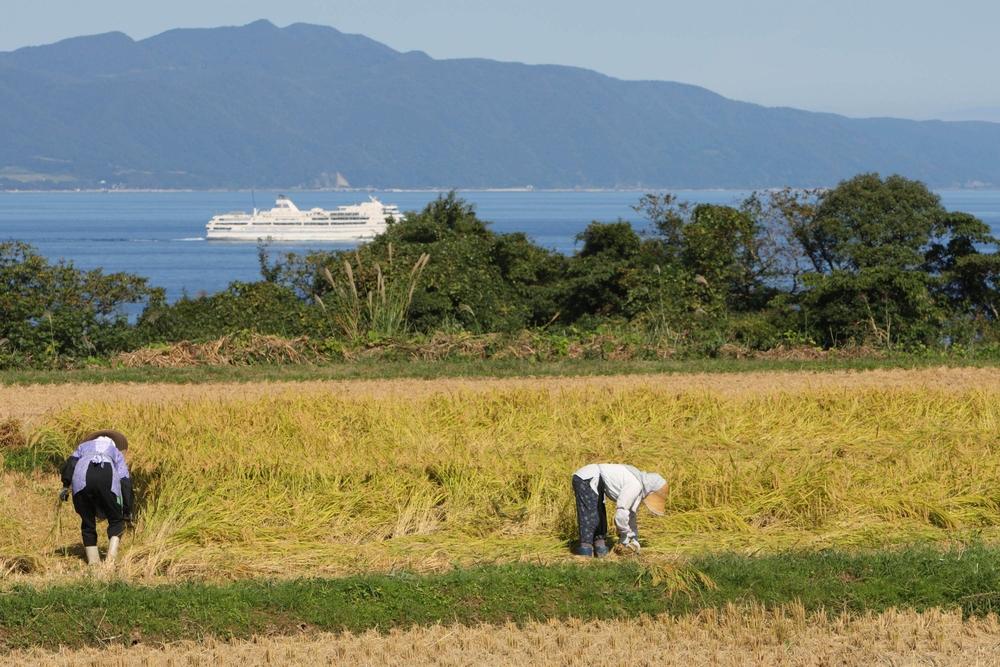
64	495
632	545
628	547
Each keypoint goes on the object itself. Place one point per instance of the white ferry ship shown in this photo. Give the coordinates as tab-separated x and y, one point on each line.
286	222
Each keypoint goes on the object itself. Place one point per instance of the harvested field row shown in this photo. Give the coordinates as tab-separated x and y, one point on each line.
31	403
732	636
333	484
86	611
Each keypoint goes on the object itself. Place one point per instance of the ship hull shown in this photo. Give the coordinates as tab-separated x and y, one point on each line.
264	232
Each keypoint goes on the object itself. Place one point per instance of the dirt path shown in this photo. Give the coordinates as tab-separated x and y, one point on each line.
29	403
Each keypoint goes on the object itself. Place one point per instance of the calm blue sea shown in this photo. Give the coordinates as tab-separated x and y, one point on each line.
160	235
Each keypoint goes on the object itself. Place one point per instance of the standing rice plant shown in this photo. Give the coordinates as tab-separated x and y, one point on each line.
325	483
359	310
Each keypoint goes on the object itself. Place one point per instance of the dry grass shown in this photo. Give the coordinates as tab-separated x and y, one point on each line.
357	315
733	636
235	350
11	434
31	403
526	345
461	473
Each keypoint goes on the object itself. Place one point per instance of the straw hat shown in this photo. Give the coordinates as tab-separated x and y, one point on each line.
656	493
656	502
121	442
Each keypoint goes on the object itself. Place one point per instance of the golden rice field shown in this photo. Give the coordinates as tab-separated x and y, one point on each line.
729	637
334	478
32	403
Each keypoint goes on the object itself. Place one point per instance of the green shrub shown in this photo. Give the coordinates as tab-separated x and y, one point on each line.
51	314
261	307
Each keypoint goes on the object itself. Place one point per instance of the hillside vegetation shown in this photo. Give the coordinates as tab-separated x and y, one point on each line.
262	106
871	268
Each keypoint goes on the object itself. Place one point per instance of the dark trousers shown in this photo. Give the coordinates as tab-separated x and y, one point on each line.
96	500
590	513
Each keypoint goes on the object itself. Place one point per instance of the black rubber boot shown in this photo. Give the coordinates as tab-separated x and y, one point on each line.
584	549
600	548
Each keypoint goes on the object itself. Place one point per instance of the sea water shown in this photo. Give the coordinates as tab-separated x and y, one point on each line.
161	235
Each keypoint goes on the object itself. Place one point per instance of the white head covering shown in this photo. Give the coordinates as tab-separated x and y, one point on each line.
651	482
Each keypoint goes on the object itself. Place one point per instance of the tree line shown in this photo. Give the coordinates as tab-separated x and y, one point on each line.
873	262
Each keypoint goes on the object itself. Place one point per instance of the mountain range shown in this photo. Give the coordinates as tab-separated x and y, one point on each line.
309	106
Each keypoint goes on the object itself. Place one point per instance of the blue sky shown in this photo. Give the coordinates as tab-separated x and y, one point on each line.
916	59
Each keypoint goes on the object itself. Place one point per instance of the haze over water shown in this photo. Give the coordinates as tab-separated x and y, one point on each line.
160	235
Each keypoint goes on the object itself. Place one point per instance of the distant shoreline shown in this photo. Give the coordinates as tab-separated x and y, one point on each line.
441	189
367	190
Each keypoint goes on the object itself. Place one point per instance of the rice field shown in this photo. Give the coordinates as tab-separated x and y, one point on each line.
731	636
32	403
337	478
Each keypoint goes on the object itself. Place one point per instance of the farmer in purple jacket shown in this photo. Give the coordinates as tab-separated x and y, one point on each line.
102	488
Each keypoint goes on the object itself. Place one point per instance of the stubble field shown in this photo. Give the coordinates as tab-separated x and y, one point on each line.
731	637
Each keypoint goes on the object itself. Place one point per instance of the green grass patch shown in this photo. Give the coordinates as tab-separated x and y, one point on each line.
91	613
43	451
372	370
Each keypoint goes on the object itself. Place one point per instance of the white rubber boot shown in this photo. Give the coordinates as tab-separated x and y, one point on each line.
112	549
93	556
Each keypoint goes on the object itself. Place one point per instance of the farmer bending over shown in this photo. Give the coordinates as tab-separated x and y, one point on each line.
627	486
102	488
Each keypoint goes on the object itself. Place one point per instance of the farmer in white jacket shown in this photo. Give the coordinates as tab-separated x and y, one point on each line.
627	486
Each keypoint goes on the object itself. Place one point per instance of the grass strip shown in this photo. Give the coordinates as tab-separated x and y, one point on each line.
94	613
379	370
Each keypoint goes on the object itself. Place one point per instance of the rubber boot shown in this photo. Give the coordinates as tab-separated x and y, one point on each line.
584	549
113	549
93	556
600	548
